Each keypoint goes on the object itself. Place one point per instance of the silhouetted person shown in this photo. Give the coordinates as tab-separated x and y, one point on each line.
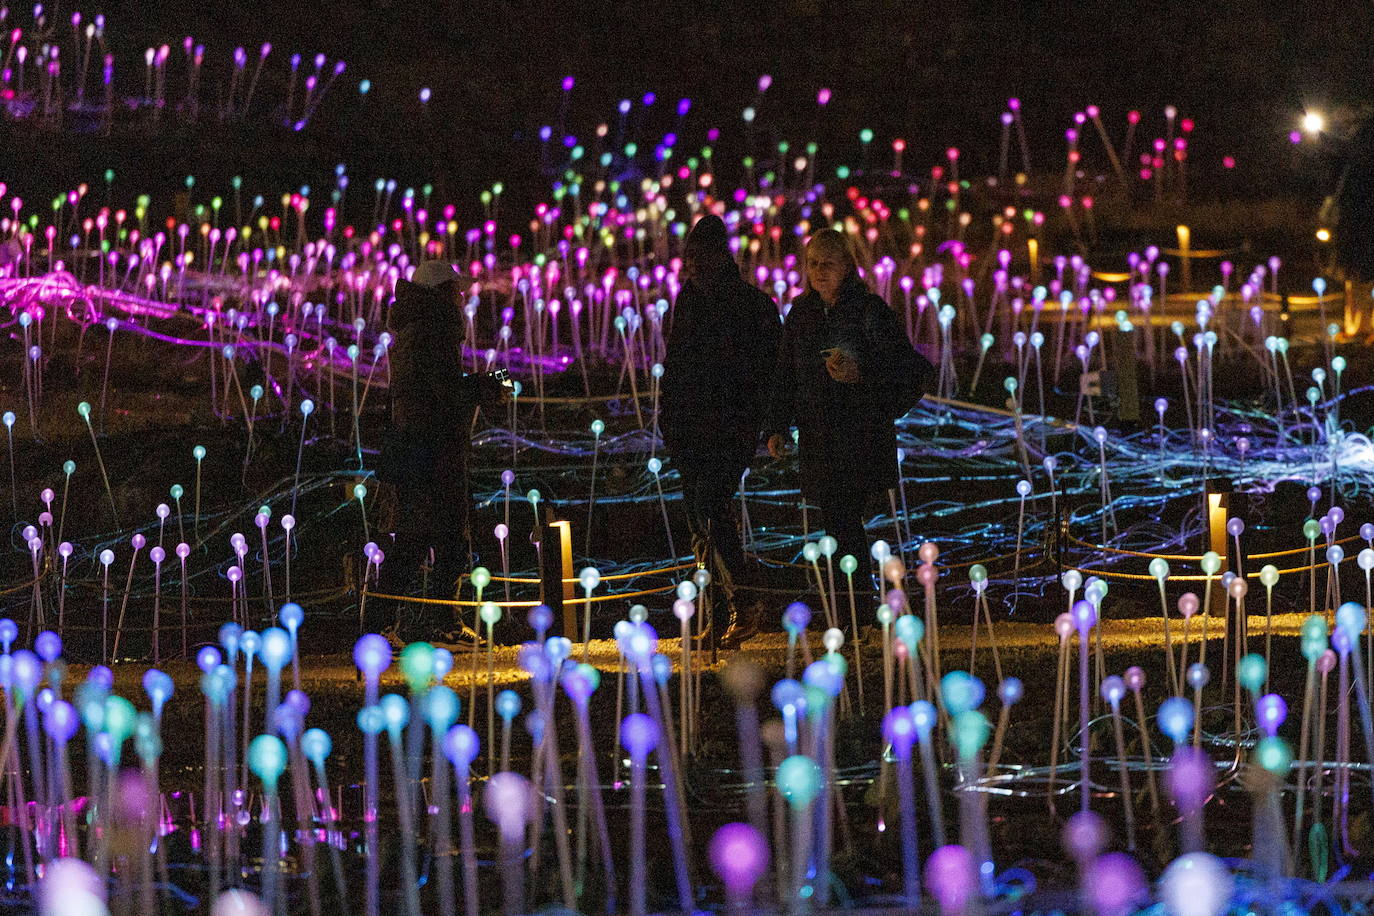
426	453
721	353
1355	206
845	372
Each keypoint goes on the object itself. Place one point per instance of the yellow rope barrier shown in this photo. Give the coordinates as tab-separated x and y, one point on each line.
1191	558
1194	577
454	602
1195	558
614	577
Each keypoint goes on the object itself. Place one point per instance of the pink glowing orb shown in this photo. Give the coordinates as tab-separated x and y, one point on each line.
951	878
1115	884
739	855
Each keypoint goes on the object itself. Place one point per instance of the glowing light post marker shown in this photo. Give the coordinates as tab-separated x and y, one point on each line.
198	453
507	707
251	644
1197	676
978	577
580	683
926	575
9	418
1190	771
316	745
1009	693
1211	564
395	713
641	647
739	855
216	683
1135	680
60	722
138	541
827	546
372	655
1113	690
111	324
1275	758
683	609
157	555
84	409
307	408
900	732
799	780
1159	568
1351	619
1313	644
183	550
849	565
288	522
360	494
598	427
1187	606
357	435
506	800
1269	577
794	620
460	746
292	615
68	469
439	707
106	558
589	579
1310	529
267	760
490	613
275	652
655	465
64	550
1084	619
502	531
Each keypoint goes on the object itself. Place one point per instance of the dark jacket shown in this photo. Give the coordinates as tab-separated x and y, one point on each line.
716	375
848	444
432	401
1354	207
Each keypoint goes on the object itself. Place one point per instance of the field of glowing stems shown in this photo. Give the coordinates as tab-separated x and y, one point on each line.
1095	662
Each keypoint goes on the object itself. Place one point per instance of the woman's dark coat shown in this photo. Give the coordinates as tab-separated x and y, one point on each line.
716	374
432	401
848	445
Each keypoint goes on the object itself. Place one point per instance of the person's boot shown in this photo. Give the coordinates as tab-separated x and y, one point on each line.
437	627
744	626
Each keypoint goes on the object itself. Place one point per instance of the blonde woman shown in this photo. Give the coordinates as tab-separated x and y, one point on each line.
845	372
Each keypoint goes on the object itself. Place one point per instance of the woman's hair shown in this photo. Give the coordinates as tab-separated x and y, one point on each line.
834	243
707	250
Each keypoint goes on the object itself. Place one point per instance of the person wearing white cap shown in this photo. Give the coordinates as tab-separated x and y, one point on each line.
425	452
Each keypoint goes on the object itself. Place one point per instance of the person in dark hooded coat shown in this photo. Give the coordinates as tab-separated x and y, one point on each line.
1354	200
721	352
845	372
426	453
